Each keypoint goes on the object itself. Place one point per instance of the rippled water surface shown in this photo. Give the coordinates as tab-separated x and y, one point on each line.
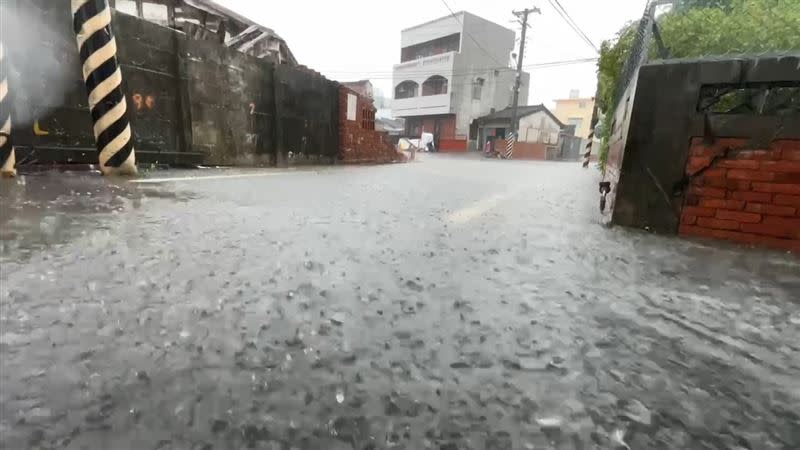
444	304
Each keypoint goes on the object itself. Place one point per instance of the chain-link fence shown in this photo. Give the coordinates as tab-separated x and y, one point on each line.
639	51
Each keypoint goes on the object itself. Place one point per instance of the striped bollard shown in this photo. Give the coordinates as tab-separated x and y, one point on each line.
7	156
103	78
510	139
587	156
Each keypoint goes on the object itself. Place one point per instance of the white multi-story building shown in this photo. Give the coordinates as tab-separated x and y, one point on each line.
453	70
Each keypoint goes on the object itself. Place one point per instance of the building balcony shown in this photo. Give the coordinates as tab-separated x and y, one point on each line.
422	86
441	64
422	105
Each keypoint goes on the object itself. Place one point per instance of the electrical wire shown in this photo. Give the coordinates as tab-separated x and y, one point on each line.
479	70
470	35
568	19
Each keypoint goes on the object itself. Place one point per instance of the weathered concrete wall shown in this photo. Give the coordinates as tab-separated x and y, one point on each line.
189	101
307	107
654	127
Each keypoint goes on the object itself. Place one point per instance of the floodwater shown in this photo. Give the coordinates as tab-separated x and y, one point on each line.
444	304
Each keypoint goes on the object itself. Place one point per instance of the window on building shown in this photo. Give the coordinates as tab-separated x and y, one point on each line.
582	104
367	119
577	121
477	88
413	126
406	89
434	85
352	103
155	12
449	43
126	6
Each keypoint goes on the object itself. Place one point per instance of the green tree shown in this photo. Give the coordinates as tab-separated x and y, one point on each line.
704	28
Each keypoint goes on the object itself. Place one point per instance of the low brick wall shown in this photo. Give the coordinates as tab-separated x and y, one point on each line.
523	150
741	194
359	142
452	145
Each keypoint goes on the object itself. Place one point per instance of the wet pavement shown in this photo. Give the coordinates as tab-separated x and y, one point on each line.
446	304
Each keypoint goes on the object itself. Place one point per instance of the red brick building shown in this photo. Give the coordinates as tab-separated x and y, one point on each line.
359	142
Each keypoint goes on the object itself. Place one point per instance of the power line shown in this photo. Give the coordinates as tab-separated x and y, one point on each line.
571	22
473	70
568	19
470	35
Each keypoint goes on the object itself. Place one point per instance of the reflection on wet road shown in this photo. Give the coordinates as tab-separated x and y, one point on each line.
445	304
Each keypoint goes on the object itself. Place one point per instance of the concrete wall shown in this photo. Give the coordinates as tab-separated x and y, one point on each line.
538	127
473	62
652	161
189	101
496	40
431	30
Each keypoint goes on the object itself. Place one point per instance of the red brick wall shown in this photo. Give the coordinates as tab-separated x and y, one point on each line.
358	140
522	150
750	196
452	145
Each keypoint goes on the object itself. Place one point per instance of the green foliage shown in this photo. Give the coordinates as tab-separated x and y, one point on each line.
613	55
748	26
703	28
682	5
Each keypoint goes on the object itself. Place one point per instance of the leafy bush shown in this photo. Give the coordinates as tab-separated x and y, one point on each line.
703	28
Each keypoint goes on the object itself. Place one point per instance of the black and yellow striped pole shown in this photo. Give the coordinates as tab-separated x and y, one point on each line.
7	157
103	78
587	157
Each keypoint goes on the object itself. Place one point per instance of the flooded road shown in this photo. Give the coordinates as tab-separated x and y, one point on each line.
444	304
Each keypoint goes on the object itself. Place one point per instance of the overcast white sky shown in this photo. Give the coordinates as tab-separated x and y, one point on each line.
355	39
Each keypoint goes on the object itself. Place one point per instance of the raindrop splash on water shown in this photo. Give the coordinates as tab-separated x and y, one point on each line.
619	438
339	396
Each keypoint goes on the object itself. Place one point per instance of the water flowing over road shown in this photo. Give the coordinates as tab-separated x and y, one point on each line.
450	303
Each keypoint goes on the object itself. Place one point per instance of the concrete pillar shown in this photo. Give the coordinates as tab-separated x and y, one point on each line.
103	79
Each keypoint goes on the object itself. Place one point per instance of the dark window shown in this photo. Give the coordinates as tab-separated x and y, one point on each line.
450	43
434	85
406	89
413	126
367	119
477	89
754	99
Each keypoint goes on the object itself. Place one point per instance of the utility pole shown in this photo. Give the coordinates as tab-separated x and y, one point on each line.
512	135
